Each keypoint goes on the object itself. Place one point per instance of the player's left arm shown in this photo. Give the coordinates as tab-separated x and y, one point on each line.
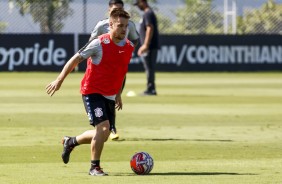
118	97
148	37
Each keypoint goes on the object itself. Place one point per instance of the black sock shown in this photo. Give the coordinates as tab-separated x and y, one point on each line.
95	163
73	142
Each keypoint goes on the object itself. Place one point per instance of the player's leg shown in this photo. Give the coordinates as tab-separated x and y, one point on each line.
85	137
97	144
99	117
149	66
69	143
114	135
101	136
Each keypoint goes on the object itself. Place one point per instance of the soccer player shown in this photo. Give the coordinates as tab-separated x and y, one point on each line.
102	82
102	27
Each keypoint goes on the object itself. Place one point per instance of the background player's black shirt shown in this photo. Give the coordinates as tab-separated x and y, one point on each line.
149	17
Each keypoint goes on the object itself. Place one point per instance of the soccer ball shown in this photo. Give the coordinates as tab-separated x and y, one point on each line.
141	163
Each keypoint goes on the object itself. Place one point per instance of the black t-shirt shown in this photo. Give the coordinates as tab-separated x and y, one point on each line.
149	18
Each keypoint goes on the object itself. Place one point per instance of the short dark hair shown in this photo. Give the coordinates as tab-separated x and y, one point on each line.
112	2
119	12
135	2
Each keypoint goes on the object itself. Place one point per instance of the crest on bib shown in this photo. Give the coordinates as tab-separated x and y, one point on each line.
98	112
106	41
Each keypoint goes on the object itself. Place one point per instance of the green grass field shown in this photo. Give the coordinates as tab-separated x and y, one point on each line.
220	128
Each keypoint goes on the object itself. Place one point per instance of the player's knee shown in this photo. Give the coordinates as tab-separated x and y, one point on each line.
106	135
104	129
106	132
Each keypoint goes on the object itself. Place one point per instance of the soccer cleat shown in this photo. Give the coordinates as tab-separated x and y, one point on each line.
114	136
97	171
66	150
150	93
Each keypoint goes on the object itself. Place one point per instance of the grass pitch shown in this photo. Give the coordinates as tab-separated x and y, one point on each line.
201	128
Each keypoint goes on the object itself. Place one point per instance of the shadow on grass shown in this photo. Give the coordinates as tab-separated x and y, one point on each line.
198	173
172	139
185	174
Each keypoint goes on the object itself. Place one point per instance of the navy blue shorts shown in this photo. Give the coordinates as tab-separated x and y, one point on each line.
99	109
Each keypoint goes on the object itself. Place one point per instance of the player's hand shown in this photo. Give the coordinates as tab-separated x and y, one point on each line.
118	102
143	50
53	87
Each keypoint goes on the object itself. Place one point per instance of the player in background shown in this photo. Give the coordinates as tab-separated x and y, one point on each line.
149	38
102	27
102	82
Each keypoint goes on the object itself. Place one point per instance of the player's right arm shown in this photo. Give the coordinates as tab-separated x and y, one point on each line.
92	48
69	66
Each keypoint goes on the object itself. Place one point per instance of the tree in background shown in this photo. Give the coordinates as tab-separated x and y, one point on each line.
267	19
164	24
3	26
198	17
48	13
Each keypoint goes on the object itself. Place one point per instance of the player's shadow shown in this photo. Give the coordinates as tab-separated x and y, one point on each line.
198	173
172	139
187	174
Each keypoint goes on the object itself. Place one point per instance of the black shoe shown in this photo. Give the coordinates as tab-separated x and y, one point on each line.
150	93
67	149
97	171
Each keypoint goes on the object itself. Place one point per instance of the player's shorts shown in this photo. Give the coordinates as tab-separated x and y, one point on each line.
99	109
